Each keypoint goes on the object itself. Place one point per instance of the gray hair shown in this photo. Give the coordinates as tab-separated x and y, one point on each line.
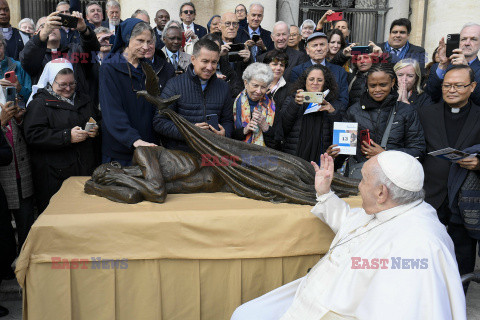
470	24
398	195
169	23
258	71
139	28
26	20
61	3
256	4
170	27
140	11
278	23
308	22
101	30
112	3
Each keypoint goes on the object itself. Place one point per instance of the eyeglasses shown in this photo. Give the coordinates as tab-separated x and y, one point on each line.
64	86
229	24
188	11
457	87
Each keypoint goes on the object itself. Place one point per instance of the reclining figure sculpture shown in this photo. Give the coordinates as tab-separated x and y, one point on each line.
217	164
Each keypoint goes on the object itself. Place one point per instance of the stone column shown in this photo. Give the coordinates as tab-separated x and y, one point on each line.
418	19
444	17
15	12
288	11
399	9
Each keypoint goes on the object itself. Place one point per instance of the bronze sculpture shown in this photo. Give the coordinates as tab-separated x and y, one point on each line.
217	164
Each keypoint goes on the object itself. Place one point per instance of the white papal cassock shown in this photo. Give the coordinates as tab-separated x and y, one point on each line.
417	279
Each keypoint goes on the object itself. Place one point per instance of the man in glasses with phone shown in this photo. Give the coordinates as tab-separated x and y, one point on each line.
187	15
466	54
453	122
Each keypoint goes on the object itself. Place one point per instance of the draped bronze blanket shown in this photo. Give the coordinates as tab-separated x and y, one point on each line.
216	164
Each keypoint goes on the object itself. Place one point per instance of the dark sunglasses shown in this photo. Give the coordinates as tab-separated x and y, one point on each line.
188	11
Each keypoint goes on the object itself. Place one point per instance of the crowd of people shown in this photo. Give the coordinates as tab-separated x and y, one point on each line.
248	78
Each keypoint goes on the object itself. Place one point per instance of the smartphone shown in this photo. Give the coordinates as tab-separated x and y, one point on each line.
361	50
11	94
11	76
336	16
365	136
68	21
237	47
453	42
313	97
255	37
212	119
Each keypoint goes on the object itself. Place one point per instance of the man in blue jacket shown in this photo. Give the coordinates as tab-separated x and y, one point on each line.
202	94
467	54
317	48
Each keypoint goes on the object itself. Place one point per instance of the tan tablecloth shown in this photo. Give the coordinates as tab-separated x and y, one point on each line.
196	256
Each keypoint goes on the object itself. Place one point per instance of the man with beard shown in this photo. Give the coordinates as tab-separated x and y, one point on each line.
114	11
11	34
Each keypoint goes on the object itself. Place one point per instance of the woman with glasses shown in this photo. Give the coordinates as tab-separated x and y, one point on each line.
55	127
127	119
241	13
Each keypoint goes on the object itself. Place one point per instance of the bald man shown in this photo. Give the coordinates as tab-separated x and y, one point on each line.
280	35
10	34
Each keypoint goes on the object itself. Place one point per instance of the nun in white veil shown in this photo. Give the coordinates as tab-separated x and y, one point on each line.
54	128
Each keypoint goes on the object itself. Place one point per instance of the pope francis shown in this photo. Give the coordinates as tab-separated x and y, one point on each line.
392	259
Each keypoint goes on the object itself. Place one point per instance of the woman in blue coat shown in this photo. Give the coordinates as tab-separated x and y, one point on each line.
127	119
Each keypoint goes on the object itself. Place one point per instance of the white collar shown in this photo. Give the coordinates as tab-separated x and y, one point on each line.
186	26
391	213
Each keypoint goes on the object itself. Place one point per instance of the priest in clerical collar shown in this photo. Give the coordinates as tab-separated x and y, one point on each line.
392	259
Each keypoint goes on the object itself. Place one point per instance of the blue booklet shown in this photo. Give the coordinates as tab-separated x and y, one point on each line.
345	136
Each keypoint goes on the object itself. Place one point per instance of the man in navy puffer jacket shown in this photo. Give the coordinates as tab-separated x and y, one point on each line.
201	93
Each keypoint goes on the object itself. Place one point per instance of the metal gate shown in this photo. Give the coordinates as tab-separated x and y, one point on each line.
366	17
36	9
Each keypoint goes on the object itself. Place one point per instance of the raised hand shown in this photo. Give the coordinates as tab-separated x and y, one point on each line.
323	174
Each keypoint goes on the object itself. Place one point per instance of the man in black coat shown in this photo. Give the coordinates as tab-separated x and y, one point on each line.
467	54
398	45
202	94
46	46
453	122
280	36
11	34
255	18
